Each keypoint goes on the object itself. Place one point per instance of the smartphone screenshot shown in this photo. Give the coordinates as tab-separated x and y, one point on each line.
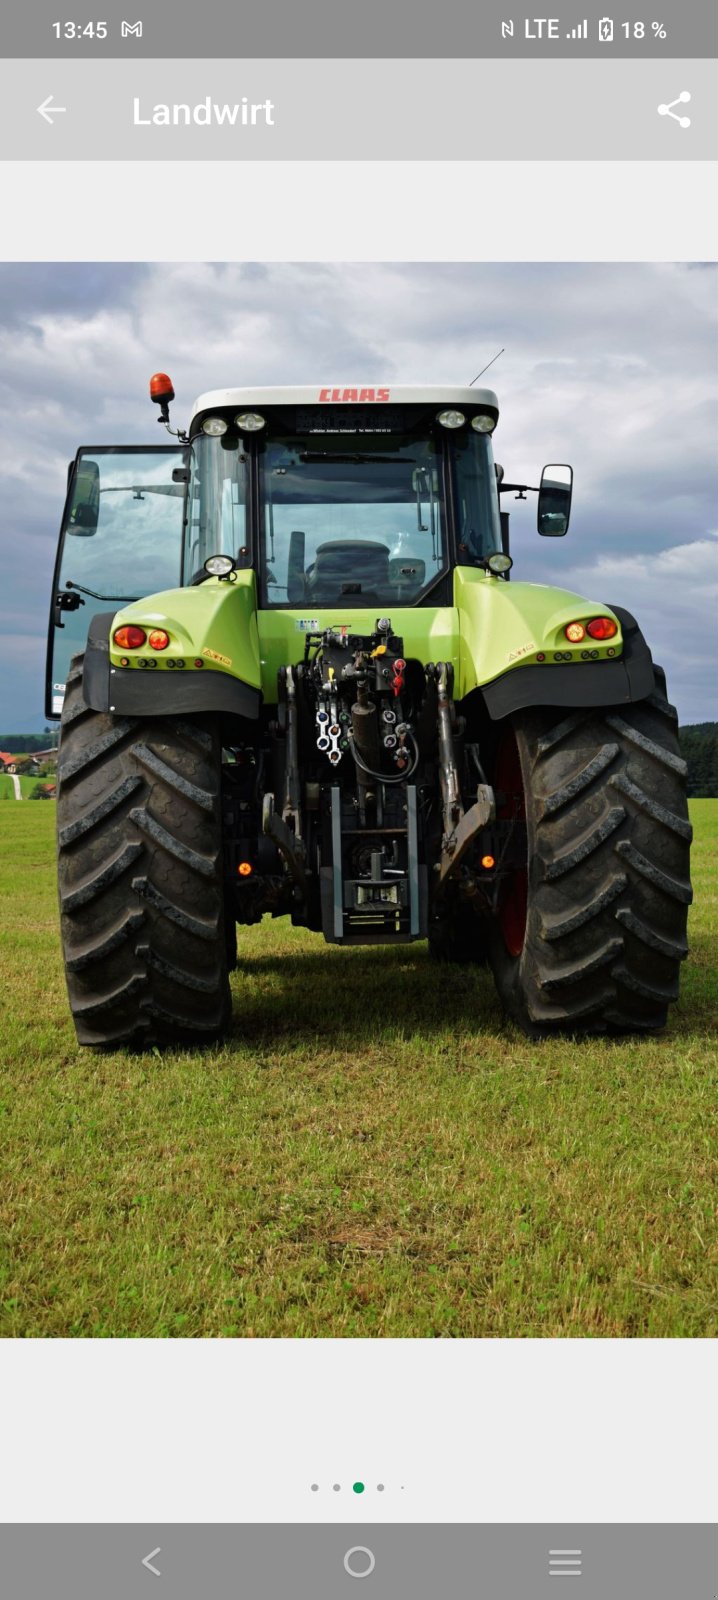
358	802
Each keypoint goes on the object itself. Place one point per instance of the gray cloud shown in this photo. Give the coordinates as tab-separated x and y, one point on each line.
611	367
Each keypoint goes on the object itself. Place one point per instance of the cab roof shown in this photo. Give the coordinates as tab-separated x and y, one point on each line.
345	394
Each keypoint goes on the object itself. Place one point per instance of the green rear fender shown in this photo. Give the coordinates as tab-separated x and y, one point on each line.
493	628
505	626
215	622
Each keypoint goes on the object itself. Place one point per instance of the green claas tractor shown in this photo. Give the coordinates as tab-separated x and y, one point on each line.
296	678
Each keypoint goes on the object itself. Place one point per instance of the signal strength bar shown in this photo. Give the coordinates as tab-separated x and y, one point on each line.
565	1563
580	32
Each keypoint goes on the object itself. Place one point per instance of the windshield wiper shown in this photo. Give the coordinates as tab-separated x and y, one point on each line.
128	598
139	490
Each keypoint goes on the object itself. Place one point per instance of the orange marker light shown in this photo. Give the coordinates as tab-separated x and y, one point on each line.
602	628
575	632
129	638
158	639
244	869
488	862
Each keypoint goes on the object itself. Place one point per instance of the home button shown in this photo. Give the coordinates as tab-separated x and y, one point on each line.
359	1562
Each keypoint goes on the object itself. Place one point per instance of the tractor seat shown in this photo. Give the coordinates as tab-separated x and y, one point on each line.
348	567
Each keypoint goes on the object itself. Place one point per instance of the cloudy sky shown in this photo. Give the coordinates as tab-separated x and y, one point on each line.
613	368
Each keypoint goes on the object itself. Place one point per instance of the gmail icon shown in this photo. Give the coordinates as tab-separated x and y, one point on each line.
134	28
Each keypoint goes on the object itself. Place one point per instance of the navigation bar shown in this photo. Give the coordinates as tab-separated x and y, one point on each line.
180	1562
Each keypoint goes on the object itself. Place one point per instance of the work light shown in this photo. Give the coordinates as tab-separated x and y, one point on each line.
214	426
250	422
219	566
499	563
483	423
451	419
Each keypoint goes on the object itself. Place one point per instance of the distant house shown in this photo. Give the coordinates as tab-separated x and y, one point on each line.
32	760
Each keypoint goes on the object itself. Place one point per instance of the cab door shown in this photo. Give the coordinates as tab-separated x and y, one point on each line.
121	539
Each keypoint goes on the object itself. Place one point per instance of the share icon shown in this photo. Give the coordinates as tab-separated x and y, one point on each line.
667	111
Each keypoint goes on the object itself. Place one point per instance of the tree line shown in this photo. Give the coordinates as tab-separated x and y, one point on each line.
699	744
27	743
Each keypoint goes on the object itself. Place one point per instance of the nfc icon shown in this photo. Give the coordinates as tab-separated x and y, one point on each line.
507	30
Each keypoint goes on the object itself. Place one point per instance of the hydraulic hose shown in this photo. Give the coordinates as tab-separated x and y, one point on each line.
381	777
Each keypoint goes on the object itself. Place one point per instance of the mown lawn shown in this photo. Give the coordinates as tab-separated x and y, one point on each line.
373	1153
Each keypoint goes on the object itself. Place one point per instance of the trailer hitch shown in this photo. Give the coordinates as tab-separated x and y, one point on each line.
290	848
466	832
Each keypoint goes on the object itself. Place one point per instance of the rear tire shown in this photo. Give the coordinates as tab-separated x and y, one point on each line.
140	876
606	885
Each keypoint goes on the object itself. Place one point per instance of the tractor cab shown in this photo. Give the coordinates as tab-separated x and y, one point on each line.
336	502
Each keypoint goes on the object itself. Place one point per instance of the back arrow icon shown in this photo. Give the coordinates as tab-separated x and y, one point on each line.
48	111
147	1562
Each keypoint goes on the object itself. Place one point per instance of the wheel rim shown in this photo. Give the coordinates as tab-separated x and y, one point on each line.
512	905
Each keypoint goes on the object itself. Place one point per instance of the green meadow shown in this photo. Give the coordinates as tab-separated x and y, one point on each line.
373	1151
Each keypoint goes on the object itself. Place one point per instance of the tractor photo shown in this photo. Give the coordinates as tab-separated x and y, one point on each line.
297	678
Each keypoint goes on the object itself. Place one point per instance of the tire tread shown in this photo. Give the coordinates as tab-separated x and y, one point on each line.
140	878
608	870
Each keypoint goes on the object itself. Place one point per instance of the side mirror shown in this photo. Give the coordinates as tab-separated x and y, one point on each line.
554	501
85	508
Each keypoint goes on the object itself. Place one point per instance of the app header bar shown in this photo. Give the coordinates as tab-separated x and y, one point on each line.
358	111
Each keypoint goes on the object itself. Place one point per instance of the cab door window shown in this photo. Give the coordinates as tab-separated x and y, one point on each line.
121	539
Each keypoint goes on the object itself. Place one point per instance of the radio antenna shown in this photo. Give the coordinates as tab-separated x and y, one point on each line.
486	368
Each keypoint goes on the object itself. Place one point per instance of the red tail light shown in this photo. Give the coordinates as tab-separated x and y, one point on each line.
602	628
129	638
158	639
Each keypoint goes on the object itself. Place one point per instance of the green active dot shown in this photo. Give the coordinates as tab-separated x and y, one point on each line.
358	1488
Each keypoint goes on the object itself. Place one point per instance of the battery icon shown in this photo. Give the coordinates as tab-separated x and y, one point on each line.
605	30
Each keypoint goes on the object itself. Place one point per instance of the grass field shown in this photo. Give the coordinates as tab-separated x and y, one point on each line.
374	1152
7	791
